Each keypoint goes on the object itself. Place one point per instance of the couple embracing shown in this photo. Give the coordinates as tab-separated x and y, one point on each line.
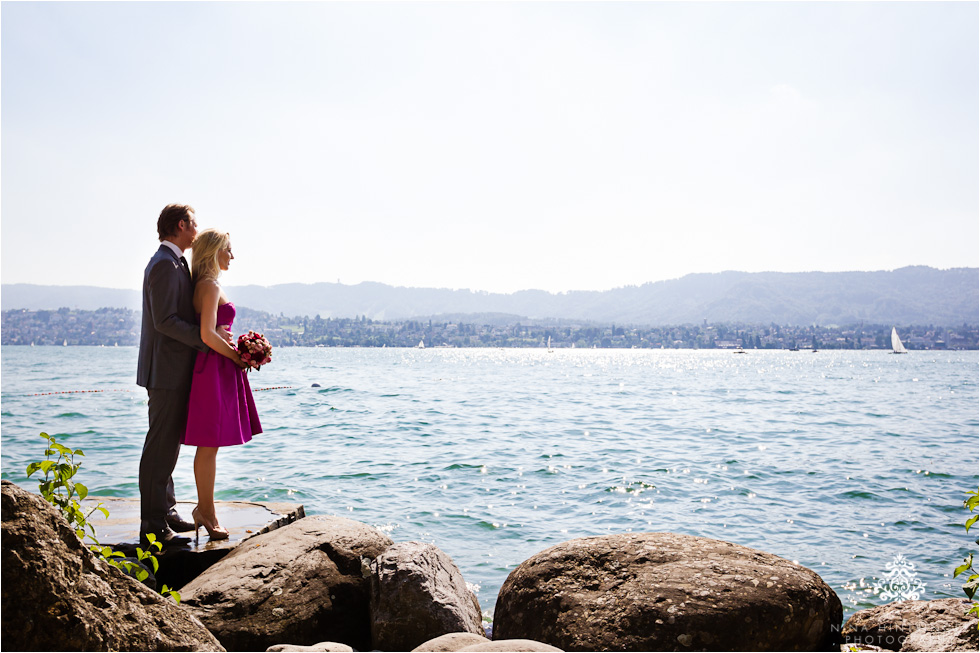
194	376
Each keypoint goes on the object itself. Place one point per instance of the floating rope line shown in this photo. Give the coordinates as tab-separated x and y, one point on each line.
71	392
75	392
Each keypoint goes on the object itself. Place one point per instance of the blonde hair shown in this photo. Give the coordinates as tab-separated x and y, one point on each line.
205	254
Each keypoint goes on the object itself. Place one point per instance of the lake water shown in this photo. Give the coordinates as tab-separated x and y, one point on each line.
838	460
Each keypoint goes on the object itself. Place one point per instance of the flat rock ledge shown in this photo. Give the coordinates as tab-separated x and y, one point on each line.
939	625
452	642
180	565
303	583
418	593
328	647
666	592
57	596
511	646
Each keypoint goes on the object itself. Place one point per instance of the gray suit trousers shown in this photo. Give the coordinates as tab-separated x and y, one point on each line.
168	419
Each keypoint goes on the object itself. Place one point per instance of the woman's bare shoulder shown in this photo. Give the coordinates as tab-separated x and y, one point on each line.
205	291
207	286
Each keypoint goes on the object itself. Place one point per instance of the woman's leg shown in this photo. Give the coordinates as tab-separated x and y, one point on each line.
205	463
205	466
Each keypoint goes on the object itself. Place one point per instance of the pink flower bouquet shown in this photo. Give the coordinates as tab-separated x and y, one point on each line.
254	349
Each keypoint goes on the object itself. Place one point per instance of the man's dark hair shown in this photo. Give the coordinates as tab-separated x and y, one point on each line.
170	217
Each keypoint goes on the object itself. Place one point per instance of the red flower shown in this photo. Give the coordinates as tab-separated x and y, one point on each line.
254	349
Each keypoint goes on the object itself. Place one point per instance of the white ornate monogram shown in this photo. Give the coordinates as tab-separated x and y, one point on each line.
900	582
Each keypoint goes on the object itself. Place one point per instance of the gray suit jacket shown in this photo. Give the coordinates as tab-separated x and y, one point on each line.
170	336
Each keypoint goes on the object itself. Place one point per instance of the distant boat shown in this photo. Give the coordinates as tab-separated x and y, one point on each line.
739	350
64	344
549	345
897	346
421	344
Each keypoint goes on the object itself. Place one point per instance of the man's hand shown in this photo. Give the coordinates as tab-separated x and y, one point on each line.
225	331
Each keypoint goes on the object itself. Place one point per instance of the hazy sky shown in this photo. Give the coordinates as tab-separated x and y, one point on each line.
492	146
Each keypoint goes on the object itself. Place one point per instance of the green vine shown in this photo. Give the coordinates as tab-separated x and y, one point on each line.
970	586
60	489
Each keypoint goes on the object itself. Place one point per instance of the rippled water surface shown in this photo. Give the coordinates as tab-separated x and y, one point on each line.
838	460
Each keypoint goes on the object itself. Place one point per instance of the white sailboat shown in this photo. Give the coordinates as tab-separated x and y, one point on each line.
897	346
549	345
421	344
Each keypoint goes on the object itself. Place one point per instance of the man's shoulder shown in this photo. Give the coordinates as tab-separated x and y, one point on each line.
162	264
162	255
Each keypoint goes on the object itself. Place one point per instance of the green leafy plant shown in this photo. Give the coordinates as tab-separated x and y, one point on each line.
970	586
58	487
117	559
174	594
63	492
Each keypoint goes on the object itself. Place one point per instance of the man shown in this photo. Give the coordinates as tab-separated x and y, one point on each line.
169	341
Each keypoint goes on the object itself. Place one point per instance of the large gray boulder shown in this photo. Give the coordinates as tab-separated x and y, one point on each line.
304	583
57	596
417	594
939	625
665	592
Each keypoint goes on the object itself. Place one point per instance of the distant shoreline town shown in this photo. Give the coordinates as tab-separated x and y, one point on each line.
120	327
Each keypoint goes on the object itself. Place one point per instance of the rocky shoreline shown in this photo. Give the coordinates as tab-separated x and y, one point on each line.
325	583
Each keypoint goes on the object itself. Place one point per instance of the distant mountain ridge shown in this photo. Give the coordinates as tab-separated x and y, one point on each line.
909	295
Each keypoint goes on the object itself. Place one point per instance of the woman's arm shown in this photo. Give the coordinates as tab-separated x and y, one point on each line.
210	293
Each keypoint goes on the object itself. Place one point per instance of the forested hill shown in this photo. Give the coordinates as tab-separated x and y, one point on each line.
911	295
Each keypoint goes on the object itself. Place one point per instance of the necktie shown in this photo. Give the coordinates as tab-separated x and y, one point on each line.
183	263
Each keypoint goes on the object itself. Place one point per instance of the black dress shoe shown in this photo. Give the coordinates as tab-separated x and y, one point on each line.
179	524
166	537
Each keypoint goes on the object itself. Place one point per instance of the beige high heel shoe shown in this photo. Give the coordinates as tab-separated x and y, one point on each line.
215	532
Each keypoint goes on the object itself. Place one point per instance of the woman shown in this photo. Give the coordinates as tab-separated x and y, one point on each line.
221	411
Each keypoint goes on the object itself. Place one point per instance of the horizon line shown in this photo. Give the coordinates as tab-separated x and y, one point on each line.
490	292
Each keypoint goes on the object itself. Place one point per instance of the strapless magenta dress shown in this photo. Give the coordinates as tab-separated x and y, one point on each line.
221	411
